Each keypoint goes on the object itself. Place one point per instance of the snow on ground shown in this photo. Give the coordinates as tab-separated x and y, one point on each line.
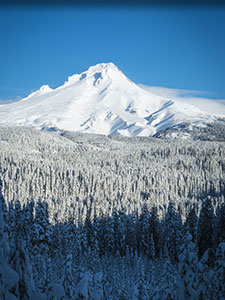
102	100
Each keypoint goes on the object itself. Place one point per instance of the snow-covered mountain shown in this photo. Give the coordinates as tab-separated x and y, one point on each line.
101	100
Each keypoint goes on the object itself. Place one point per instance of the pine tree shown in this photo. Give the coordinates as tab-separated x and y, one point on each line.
141	291
96	292
68	237
205	227
219	273
28	213
68	276
191	223
144	234
187	284
173	227
205	279
153	227
152	248
82	288
40	240
165	287
20	261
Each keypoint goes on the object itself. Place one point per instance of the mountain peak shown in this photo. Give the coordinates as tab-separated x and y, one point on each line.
105	69
97	73
103	66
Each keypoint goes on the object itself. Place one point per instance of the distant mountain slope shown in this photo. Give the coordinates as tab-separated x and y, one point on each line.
101	100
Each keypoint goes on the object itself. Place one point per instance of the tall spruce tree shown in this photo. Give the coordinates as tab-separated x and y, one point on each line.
173	227
187	279
205	227
191	223
40	240
20	261
154	229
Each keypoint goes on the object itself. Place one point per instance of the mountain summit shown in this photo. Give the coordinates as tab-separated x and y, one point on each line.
100	100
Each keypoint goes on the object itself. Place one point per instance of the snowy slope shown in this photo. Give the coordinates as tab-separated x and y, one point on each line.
100	100
212	106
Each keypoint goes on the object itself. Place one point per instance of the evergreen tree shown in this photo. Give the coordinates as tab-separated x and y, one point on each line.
68	237
187	279
191	223
68	276
205	278
20	261
82	288
219	273
55	291
205	227
141	291
143	232
28	220
40	240
96	292
173	227
152	248
154	229
165	287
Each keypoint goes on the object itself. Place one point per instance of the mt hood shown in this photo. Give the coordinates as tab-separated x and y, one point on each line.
101	100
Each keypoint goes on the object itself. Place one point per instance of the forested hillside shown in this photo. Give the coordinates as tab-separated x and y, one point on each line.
97	217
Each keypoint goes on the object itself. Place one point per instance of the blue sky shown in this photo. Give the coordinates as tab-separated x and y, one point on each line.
169	47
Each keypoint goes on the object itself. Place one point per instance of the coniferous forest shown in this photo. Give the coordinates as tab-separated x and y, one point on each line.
109	217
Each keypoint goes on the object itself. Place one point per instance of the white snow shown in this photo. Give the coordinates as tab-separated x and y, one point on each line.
10	296
39	296
11	277
55	291
82	287
101	100
207	105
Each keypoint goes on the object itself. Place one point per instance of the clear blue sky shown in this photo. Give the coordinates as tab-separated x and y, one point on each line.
169	47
